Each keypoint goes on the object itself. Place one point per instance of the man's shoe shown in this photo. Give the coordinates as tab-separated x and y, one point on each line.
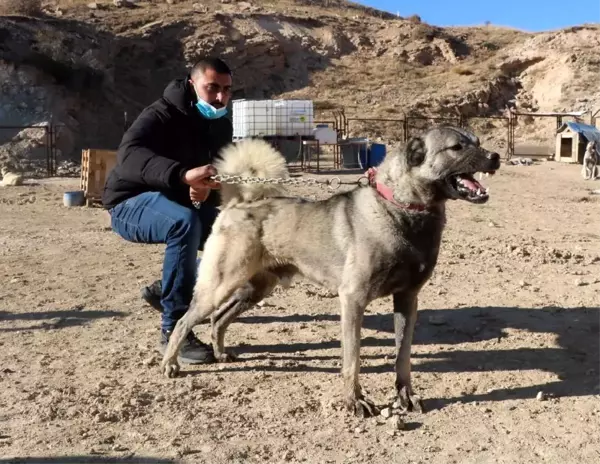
192	351
153	294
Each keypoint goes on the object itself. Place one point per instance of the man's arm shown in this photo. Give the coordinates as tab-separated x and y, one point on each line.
139	158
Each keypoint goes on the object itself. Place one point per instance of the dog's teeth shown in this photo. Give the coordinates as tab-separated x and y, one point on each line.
480	175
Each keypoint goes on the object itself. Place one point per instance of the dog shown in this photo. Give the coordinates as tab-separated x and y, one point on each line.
10	178
590	161
367	243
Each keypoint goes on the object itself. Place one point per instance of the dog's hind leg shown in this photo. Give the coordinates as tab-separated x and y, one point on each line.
353	307
207	299
219	275
244	298
405	316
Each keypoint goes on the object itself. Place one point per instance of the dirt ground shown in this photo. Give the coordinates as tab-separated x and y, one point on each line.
512	310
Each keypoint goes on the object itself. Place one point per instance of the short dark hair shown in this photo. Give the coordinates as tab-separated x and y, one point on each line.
210	62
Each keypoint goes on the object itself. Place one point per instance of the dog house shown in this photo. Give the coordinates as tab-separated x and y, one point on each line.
572	139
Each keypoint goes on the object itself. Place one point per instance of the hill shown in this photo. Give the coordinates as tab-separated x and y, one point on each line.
84	64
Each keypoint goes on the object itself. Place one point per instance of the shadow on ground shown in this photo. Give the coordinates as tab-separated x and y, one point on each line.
87	460
57	319
574	361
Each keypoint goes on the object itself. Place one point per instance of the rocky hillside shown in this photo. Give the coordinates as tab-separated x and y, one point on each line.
84	64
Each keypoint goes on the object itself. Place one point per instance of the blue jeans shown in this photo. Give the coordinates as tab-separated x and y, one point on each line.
152	218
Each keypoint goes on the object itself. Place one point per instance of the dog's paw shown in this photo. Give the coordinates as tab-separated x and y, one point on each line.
226	357
407	402
169	369
361	407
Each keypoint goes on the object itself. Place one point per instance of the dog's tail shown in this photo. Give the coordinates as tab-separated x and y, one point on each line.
251	158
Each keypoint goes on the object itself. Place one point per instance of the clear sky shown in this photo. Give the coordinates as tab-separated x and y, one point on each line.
528	15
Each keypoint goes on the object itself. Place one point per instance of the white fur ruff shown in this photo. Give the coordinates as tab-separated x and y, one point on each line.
251	158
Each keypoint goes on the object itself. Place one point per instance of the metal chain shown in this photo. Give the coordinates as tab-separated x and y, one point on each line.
333	183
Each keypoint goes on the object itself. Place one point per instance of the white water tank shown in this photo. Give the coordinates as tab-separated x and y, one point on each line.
262	118
294	117
254	118
325	134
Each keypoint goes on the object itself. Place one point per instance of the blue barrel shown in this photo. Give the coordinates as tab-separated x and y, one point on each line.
371	157
75	198
352	150
377	154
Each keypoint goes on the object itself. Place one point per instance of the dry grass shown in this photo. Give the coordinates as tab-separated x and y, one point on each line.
21	7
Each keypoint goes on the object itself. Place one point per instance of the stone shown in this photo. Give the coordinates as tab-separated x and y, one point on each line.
386	412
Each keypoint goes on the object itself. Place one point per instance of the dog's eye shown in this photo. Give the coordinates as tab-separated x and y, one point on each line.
456	147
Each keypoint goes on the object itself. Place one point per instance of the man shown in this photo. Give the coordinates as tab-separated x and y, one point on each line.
163	164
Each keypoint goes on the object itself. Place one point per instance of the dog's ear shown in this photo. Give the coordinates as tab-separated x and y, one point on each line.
415	151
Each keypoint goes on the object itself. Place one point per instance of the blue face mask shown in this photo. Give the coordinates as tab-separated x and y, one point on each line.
209	111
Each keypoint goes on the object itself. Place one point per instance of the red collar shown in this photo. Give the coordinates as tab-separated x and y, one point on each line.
387	193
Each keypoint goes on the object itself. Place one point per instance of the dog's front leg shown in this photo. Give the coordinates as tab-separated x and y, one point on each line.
352	317
405	316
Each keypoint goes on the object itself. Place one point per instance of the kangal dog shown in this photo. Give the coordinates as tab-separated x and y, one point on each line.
364	244
591	158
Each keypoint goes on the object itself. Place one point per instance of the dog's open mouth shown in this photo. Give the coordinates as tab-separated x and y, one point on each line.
465	187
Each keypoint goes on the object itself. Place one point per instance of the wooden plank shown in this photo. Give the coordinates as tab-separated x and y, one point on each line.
95	166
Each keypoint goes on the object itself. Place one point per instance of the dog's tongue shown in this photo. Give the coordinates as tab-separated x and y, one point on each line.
470	183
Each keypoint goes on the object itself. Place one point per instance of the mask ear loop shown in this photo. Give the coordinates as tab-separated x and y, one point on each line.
195	97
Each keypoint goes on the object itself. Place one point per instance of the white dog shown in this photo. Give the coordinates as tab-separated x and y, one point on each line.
591	158
10	178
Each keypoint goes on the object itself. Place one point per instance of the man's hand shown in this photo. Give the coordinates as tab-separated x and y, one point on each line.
199	178
199	193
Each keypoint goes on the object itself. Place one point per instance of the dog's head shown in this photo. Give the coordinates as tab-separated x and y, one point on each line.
443	162
591	150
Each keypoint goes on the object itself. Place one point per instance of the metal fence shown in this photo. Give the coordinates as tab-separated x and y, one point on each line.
35	150
495	131
302	153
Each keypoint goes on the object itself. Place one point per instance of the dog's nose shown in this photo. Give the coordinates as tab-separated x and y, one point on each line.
492	156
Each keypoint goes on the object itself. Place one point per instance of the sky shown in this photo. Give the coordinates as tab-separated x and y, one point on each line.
528	15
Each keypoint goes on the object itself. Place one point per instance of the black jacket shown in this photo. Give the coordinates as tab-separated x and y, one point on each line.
168	137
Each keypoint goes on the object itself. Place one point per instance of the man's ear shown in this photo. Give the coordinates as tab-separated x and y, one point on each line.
415	152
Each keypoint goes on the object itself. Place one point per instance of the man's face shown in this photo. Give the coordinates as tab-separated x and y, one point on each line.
212	87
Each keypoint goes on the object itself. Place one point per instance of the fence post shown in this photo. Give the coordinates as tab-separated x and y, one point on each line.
510	151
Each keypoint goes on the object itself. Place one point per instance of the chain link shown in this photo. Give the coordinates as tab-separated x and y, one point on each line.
333	183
